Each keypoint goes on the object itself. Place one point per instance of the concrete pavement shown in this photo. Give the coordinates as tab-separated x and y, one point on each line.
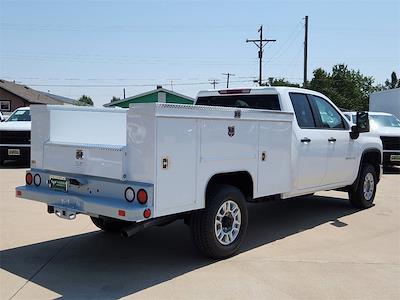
309	248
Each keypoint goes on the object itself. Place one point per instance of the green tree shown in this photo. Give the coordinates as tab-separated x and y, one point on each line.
348	89
393	83
85	100
281	82
115	99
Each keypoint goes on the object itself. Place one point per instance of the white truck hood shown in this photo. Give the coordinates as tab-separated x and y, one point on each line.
15	126
387	131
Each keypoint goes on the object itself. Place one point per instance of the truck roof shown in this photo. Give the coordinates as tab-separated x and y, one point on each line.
254	91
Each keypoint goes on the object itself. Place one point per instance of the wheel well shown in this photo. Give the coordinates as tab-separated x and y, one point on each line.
374	158
241	180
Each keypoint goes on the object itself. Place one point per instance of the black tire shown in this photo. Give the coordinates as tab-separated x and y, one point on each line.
203	222
357	195
109	224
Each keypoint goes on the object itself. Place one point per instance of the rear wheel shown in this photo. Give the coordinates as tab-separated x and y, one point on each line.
109	224
218	230
362	195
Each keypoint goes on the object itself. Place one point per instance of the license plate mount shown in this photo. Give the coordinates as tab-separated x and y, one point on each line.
14	152
395	157
58	183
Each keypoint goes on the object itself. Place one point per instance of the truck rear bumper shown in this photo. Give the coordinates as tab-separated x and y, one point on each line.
79	204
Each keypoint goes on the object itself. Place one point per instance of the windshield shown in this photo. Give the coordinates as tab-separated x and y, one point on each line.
384	121
20	115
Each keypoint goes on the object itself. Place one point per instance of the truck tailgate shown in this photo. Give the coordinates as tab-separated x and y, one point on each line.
79	140
86	159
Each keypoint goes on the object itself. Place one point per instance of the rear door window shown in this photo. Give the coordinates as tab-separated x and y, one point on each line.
302	110
270	102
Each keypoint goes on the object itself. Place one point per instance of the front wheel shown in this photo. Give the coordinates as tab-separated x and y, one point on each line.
362	195
218	230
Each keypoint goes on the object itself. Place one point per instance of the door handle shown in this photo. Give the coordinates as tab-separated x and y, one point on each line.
331	140
305	140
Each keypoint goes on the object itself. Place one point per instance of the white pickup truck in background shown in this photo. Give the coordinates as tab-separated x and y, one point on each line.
386	127
15	136
155	163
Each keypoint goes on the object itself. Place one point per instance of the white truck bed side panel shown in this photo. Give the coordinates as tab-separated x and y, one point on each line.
220	145
141	143
176	183
274	173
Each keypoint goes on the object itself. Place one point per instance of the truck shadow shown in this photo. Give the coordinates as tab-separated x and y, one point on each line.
99	265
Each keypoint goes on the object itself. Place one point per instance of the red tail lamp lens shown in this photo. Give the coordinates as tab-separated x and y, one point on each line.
147	213
142	196
18	193
28	178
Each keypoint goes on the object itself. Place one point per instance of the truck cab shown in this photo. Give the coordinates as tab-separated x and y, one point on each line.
325	153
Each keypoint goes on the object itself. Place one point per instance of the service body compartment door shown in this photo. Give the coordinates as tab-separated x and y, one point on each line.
175	165
274	167
84	159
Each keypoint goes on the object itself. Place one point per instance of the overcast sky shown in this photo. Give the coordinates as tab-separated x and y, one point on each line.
97	48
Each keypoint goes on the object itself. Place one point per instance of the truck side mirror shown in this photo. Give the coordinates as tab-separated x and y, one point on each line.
362	124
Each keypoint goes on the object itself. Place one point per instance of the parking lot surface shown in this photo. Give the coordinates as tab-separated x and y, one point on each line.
308	248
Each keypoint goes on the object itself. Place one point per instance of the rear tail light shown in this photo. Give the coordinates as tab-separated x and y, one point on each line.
142	196
28	178
18	193
37	180
129	194
147	213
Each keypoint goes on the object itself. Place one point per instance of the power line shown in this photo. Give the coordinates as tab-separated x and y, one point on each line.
260	47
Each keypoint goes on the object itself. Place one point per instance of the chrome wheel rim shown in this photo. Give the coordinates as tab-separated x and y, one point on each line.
369	186
227	222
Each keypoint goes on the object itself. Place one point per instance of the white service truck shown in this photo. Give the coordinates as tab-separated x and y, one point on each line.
156	163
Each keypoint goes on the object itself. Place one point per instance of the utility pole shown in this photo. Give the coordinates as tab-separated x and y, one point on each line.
213	82
260	47
228	75
305	50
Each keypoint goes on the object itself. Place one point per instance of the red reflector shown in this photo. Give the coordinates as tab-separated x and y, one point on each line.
142	196
147	213
18	193
28	178
237	91
121	213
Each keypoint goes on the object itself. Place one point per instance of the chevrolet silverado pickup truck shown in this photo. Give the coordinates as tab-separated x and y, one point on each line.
155	163
15	136
386	127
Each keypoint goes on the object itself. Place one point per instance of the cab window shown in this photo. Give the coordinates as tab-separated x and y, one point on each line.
328	116
302	110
